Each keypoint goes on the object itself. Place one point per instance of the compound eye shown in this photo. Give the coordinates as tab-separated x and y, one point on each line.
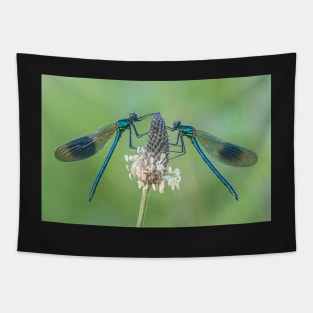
176	124
133	116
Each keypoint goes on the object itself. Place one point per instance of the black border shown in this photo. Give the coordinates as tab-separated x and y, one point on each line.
57	238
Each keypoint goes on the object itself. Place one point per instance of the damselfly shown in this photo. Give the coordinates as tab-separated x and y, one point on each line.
85	147
220	150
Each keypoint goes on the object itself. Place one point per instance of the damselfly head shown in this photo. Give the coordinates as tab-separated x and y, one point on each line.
176	124
133	116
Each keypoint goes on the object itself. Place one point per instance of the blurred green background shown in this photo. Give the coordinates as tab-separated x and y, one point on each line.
235	109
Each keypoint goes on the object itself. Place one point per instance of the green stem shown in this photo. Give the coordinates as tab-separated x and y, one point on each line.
143	206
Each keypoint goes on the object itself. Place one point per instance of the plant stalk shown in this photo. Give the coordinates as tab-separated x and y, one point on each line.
143	206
